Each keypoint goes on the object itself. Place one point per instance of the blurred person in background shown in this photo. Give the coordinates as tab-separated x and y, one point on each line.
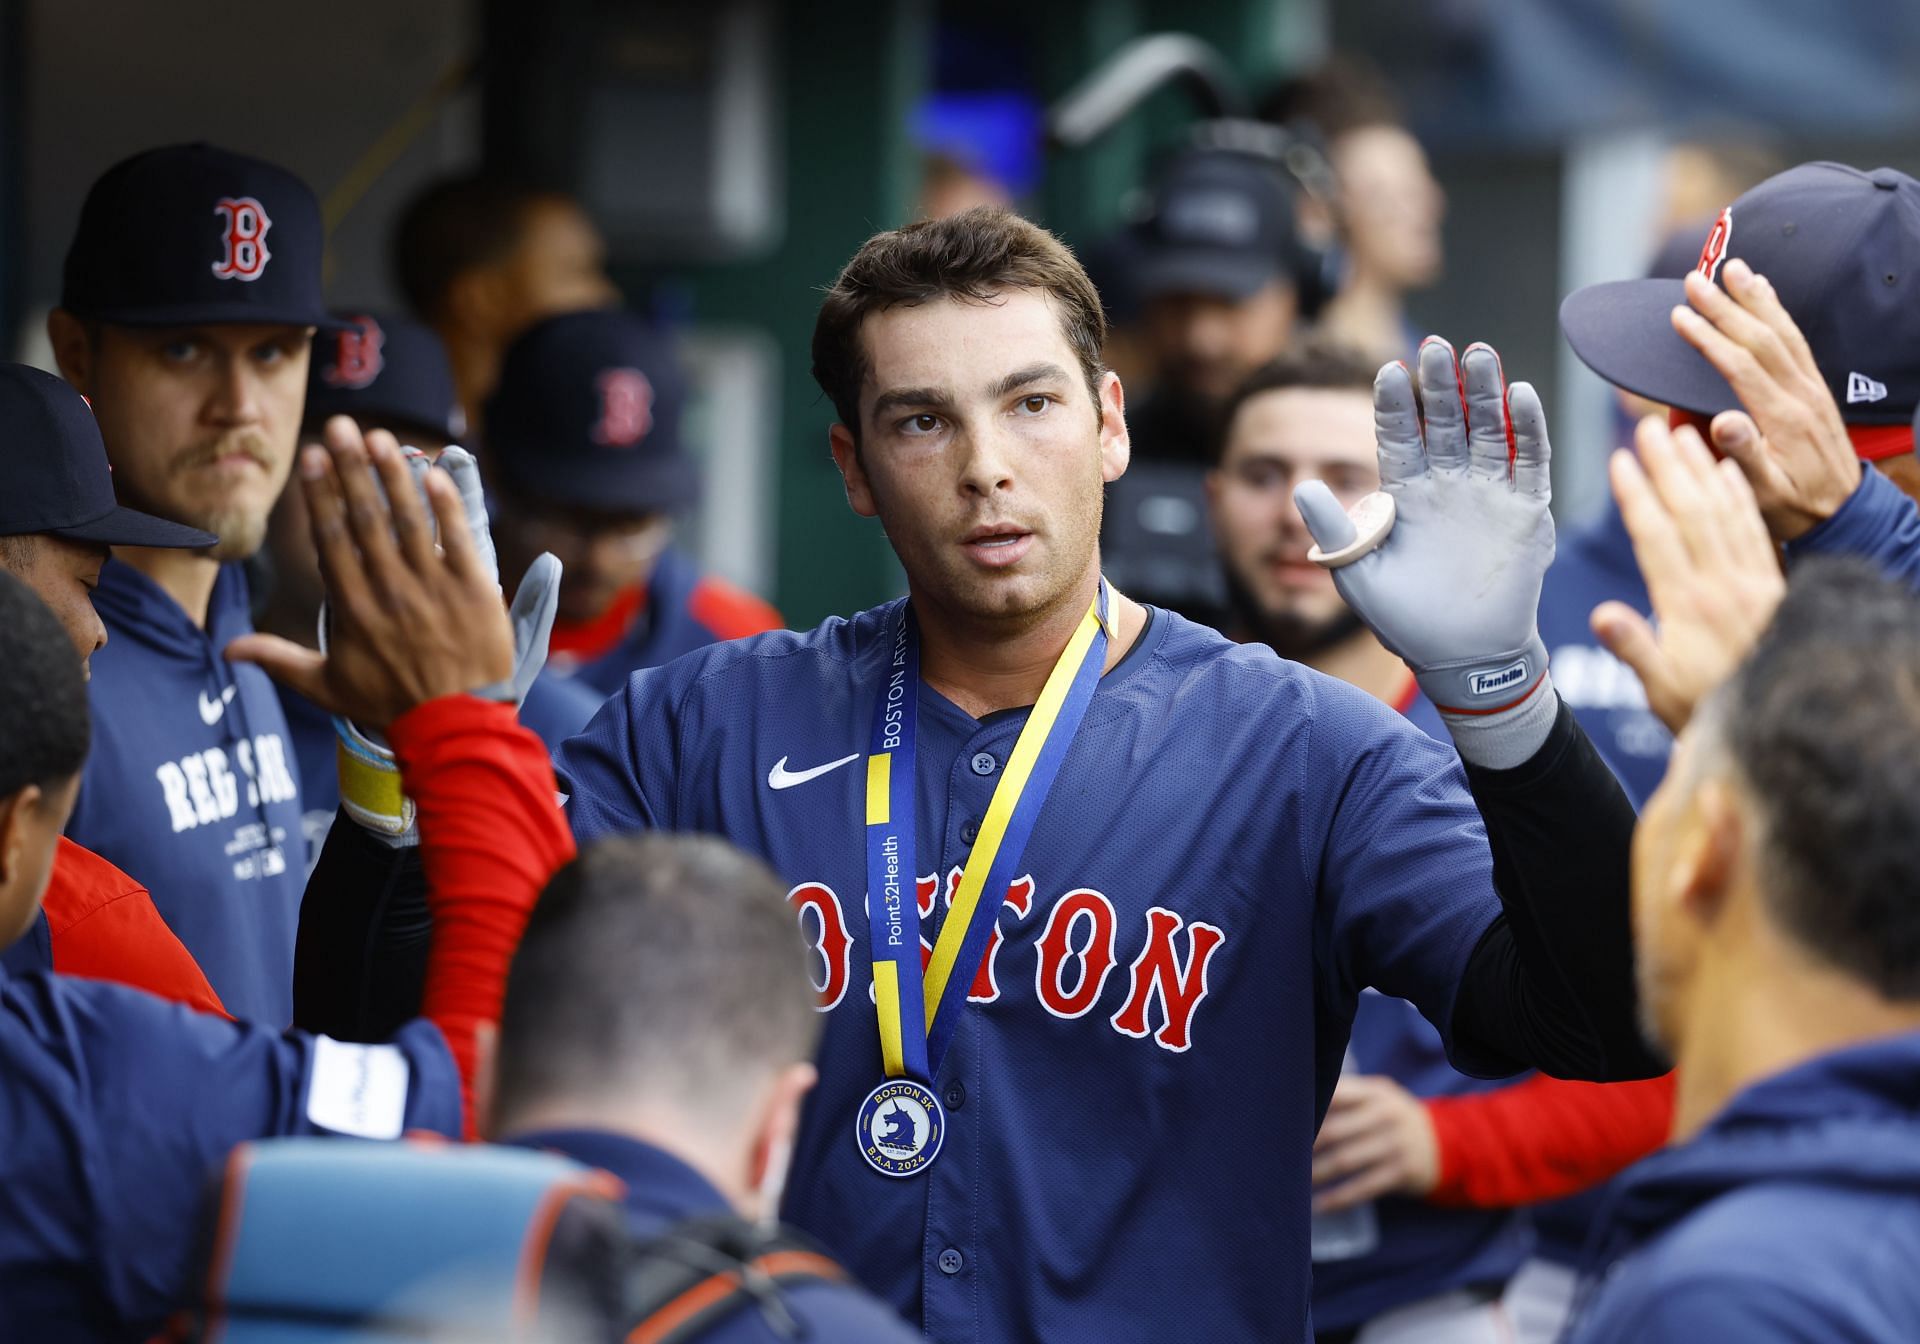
1417	1232
1212	268
1387	209
481	258
660	1024
949	184
388	373
190	297
588	463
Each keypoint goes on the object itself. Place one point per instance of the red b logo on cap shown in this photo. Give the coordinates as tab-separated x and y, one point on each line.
626	407
246	238
1714	250
357	360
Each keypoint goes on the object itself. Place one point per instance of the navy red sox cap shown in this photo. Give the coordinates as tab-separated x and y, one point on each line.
386	371
1841	248
191	234
587	414
54	475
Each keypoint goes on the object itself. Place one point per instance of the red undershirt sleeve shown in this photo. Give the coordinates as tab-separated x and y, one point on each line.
1544	1138
491	834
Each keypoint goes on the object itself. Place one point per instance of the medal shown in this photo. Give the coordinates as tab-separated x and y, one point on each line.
900	1126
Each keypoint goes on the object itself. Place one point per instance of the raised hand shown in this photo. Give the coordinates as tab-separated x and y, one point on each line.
1454	586
1790	441
412	620
1712	574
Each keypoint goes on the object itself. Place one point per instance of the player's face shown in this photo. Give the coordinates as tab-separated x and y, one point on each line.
30	826
201	422
560	265
63	574
602	555
1277	440
1390	204
1205	346
1666	848
983	453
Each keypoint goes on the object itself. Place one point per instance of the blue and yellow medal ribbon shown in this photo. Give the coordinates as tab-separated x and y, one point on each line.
912	1045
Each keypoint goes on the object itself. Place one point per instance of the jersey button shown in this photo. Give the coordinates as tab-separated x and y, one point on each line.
969	831
955	1096
951	1261
984	764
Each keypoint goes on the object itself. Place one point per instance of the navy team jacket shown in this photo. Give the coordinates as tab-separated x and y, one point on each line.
117	1111
1234	845
193	787
662	1190
1793	1216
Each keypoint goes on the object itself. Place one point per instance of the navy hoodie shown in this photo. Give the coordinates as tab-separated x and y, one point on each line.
193	788
1794	1215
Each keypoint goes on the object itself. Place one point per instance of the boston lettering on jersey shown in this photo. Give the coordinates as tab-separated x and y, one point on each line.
192	786
1232	848
1078	947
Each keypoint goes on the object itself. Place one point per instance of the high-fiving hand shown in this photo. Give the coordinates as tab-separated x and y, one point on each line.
1790	440
1712	574
1454	588
412	619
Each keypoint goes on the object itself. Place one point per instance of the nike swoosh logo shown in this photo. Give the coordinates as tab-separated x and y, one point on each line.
782	778
211	709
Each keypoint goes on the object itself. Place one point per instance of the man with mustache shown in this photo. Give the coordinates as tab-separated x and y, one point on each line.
191	292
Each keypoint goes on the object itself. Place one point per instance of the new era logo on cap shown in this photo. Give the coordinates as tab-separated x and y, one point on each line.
1862	388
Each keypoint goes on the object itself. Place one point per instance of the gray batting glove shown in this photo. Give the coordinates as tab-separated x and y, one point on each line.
369	774
1453	587
536	599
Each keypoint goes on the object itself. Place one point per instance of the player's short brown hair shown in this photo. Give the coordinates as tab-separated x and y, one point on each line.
975	255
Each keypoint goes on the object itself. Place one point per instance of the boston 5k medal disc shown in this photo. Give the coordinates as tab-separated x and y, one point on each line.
900	1128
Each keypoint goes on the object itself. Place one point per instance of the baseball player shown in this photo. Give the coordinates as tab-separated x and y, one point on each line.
1093	890
120	1107
191	292
584	447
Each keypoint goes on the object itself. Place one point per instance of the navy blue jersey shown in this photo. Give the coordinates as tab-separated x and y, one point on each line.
117	1110
193	786
1233	848
1595	564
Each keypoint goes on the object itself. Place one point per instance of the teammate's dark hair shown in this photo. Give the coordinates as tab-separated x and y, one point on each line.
1822	723
453	226
658	966
44	729
1317	365
1346	93
975	255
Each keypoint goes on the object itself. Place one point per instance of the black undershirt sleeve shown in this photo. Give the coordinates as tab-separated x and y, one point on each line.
1550	984
360	960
